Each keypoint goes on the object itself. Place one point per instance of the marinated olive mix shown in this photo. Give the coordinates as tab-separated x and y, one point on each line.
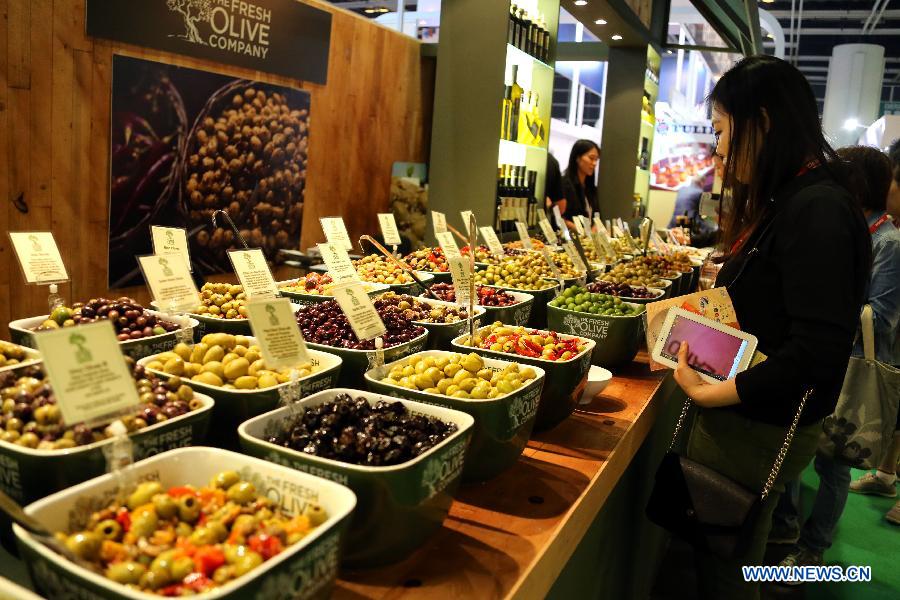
315	284
222	301
10	354
524	273
30	416
482	253
621	289
530	343
131	320
633	274
377	269
427	259
458	376
227	361
184	541
355	432
413	309
487	296
580	300
249	160
325	323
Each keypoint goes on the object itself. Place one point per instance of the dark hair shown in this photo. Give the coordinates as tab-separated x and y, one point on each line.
894	154
579	149
868	175
774	127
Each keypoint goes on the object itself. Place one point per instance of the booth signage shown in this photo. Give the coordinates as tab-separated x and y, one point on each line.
264	35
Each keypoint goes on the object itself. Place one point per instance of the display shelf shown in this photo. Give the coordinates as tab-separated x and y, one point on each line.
520	57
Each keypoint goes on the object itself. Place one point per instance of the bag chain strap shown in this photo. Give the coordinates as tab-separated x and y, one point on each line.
782	452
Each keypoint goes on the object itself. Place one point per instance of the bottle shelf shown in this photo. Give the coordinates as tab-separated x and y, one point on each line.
516	56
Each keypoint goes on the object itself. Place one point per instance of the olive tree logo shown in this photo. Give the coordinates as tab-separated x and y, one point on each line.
192	11
170	238
249	260
166	269
273	318
82	354
35	243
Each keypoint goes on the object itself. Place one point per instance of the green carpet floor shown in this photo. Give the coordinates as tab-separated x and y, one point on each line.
863	537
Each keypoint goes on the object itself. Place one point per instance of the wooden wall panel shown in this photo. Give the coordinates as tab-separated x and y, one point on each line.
54	134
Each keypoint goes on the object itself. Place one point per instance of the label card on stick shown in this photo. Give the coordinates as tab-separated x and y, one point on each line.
275	329
90	377
39	256
579	227
448	244
171	240
493	242
548	232
340	267
574	257
389	230
524	235
439	221
336	232
557	274
357	306
253	272
462	279
560	223
171	285
466	215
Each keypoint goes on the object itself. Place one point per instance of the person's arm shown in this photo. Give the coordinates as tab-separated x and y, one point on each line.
884	294
816	245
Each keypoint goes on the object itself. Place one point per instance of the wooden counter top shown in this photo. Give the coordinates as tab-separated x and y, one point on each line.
511	536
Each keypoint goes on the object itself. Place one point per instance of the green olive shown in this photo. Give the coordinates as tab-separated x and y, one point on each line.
316	514
223	574
181	568
144	494
225	480
144	524
202	536
84	544
165	506
126	572
242	492
188	509
108	529
246	563
217	529
183	529
155	579
163	562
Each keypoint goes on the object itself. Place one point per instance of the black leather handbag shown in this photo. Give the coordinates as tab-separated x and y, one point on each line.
707	509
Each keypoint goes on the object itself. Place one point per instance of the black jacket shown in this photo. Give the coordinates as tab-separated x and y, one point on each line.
800	292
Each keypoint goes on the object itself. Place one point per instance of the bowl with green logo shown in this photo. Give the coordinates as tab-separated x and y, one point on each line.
502	424
399	506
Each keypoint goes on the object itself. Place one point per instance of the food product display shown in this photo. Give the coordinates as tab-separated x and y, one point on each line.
222	301
247	156
622	290
580	299
531	343
458	376
131	320
378	269
632	274
517	244
353	431
317	284
10	354
487	296
326	324
183	540
413	309
227	361
523	273
482	253
427	259
30	417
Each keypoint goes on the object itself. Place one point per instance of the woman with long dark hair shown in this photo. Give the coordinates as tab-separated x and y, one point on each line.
797	259
579	189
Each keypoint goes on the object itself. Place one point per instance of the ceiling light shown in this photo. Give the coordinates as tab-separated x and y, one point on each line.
770	36
851	124
668	52
580	2
600	22
768	1
617	37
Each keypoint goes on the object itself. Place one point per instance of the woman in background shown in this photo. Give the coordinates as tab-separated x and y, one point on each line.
579	189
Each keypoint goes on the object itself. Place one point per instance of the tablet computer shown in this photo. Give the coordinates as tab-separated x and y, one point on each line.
717	352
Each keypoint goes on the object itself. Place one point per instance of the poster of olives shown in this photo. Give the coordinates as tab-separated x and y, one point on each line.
186	143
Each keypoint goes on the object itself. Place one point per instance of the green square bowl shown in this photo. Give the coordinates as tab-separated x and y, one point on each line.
514	314
305	570
502	425
538	314
21	332
233	407
28	474
618	339
308	299
357	362
399	506
441	334
563	380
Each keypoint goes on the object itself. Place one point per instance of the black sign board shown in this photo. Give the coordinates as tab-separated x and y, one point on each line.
284	37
